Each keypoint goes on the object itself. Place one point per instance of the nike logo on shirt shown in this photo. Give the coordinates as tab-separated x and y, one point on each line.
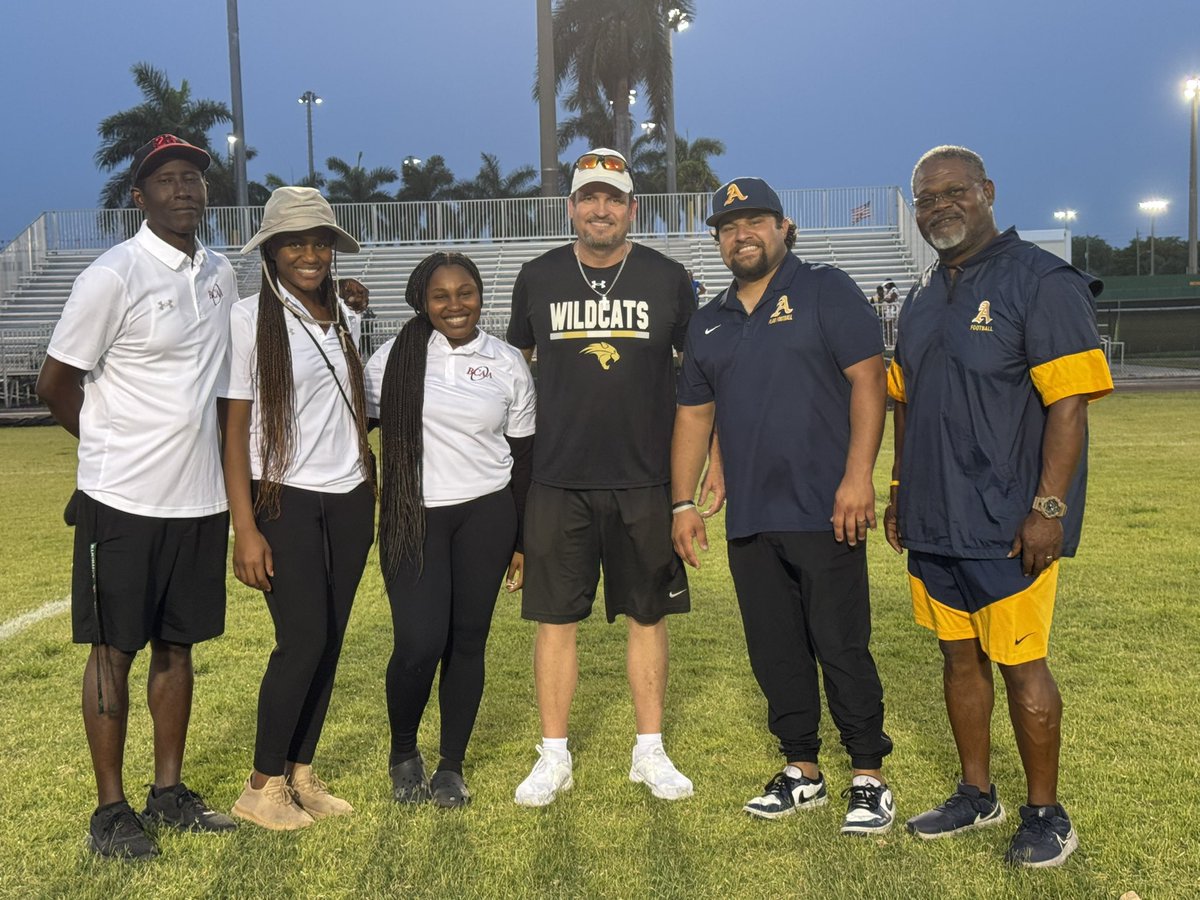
714	328
674	594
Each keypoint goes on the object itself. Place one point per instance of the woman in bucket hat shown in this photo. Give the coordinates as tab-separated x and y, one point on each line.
301	484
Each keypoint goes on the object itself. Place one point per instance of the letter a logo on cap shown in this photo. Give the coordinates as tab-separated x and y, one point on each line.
734	193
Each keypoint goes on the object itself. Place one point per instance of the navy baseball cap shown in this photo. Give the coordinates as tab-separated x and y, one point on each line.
153	154
743	193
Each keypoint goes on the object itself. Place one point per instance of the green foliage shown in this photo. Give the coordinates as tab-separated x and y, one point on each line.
1100	258
1123	651
693	168
354	184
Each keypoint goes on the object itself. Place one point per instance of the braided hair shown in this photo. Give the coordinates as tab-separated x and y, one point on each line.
401	409
276	395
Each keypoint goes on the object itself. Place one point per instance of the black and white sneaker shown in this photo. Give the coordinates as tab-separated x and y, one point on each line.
117	832
871	810
183	809
967	808
784	795
1044	838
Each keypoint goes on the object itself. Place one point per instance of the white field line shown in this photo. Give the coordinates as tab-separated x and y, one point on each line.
45	611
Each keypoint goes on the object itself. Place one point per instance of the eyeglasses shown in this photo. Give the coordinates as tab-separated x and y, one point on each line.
602	161
927	202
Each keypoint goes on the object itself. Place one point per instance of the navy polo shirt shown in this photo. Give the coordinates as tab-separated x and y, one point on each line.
782	402
978	361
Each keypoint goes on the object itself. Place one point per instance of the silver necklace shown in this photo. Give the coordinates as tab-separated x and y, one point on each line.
602	291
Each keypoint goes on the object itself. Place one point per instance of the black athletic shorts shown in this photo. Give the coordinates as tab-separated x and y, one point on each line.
146	577
570	534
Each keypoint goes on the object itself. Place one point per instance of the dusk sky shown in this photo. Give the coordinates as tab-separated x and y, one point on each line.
1071	103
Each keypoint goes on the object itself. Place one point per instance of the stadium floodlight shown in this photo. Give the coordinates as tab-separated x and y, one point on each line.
1066	216
1191	91
308	98
1152	208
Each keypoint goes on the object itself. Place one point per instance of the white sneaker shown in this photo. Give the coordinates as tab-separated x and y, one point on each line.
551	774
655	770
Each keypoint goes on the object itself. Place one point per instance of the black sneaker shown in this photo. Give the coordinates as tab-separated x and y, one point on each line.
967	808
871	810
184	809
117	832
1044	838
784	794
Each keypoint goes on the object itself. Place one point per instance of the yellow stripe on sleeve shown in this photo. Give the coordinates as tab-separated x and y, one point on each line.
895	383
1080	373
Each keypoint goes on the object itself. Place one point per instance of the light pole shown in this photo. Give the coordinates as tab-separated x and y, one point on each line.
677	20
1192	92
1152	208
240	185
232	140
308	98
1067	216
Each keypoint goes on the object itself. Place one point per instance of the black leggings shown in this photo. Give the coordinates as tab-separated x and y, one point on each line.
443	613
319	544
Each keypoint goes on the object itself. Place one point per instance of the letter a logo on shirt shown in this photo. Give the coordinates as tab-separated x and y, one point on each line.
984	316
783	312
734	193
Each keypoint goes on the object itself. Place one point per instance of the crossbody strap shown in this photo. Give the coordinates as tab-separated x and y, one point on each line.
329	365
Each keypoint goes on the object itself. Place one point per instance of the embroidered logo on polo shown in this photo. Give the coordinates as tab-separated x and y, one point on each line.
783	312
606	354
164	305
734	193
215	294
983	318
478	373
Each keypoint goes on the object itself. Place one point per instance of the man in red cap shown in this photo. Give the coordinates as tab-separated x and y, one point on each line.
132	370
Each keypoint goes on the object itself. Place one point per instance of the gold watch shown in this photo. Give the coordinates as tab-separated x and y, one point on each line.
1051	507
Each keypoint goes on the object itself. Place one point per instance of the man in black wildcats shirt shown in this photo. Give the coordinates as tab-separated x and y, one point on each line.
606	317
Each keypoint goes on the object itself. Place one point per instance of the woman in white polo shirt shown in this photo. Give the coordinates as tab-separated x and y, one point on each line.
456	410
300	479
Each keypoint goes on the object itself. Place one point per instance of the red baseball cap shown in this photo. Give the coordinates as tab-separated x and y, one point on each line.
163	148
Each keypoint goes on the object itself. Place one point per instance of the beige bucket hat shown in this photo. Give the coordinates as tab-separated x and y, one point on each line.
290	209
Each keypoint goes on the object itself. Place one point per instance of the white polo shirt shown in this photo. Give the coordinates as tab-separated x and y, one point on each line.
474	396
150	326
325	454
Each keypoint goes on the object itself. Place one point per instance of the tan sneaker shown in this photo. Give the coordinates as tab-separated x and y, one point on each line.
272	806
313	795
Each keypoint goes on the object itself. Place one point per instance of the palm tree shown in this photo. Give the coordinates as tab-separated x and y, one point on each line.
694	171
609	49
491	184
592	122
163	110
354	184
426	185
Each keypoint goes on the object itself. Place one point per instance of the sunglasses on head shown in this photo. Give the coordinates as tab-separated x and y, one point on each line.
602	161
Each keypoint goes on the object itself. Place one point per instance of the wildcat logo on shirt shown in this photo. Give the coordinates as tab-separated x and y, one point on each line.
606	354
983	318
478	373
783	312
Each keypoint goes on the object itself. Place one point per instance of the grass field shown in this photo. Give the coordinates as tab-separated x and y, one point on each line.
1124	650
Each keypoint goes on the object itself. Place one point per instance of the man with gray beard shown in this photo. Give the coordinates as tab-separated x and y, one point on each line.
606	316
997	357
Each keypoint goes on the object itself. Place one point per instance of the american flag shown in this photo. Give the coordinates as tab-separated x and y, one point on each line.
860	213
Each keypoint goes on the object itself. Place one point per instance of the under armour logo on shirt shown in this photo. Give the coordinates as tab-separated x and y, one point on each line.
599	285
165	304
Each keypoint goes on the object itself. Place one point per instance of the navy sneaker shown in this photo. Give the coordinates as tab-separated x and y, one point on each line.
117	832
183	809
784	795
967	808
871	810
1044	838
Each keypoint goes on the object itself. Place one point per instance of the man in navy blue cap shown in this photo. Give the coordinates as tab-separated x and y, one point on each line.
787	362
132	371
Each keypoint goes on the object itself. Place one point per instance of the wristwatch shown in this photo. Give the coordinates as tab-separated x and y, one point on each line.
1050	507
